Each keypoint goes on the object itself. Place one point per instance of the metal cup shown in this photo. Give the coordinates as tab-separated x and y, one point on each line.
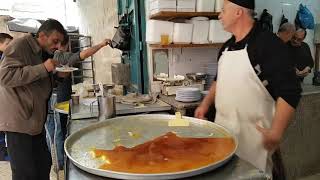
106	106
75	99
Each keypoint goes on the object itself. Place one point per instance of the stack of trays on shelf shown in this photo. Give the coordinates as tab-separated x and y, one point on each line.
186	5
156	6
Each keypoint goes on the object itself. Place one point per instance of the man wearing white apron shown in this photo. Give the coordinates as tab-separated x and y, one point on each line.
256	91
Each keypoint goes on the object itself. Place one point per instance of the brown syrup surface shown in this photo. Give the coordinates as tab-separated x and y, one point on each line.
166	154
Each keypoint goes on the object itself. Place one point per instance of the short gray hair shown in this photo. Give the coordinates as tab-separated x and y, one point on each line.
287	27
302	30
251	13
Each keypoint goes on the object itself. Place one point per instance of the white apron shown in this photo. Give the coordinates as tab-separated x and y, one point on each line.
241	102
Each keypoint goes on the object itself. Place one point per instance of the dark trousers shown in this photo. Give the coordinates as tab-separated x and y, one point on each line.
278	171
63	123
64	91
29	156
3	149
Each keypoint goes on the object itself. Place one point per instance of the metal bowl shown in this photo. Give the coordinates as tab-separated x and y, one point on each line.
106	87
196	76
103	134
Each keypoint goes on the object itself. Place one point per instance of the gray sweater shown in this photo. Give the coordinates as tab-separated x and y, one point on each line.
67	57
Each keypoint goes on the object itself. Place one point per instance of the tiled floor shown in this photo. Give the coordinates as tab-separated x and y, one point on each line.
5	172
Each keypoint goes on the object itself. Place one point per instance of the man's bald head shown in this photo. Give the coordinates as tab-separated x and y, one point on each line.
232	14
286	32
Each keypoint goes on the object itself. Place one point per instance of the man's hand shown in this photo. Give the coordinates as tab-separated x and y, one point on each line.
50	64
201	111
304	72
271	139
106	42
63	74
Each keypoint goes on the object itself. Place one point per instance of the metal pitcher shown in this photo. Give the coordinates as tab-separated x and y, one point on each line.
106	106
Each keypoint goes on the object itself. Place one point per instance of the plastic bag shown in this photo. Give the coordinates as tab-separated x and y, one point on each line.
304	18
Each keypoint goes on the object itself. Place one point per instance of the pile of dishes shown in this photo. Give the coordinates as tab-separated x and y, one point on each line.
188	94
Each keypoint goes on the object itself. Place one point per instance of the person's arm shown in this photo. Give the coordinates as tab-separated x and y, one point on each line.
286	88
209	99
72	58
92	50
206	102
65	57
14	72
283	115
308	60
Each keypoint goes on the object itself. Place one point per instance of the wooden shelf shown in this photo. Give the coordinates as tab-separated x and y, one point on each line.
215	45
166	15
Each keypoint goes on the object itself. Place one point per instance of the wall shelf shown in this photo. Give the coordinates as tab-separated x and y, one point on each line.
166	15
214	45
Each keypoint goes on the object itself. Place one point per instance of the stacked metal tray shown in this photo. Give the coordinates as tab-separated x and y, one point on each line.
110	133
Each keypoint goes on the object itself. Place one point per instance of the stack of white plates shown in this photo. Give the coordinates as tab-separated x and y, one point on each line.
188	94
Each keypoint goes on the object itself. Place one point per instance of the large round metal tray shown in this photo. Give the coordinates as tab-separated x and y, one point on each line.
106	134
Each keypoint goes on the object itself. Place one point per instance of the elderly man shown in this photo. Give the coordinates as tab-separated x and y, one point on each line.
25	87
286	32
301	53
256	91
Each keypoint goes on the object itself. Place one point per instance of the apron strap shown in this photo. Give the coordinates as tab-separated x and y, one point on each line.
245	48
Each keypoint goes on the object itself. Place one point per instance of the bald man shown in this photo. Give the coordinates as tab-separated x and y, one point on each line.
256	91
286	32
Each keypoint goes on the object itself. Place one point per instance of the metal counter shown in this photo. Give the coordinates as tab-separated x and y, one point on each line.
308	89
235	169
300	148
83	111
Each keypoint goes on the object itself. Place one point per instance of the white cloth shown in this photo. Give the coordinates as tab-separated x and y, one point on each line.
242	101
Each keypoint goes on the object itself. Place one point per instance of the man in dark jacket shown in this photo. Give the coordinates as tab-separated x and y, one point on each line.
301	54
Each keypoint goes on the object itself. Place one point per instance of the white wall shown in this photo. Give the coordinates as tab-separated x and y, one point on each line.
97	18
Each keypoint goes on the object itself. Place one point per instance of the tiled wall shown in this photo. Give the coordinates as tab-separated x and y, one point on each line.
190	60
